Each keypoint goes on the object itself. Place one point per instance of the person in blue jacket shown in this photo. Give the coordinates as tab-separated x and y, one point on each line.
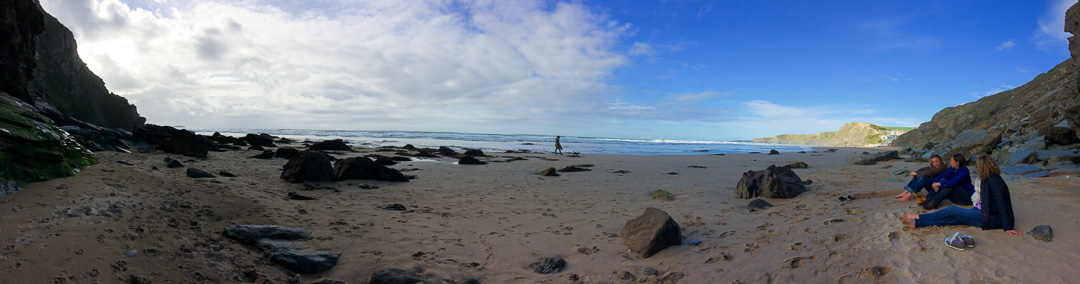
993	208
954	184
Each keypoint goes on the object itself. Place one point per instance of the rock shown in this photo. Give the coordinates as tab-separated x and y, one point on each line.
549	172
1023	157
649	271
173	163
474	153
774	152
262	139
185	143
1042	233
197	173
470	160
548	265
257	147
395	207
1062	134
226	174
309	166
251	234
1037	174
900	172
1020	170
446	151
664	195
385	161
571	169
1069	170
1037	143
798	165
398	276
773	182
758	204
286	152
1055	155
364	168
878	157
264	155
651	232
830	151
297	196
330	145
281	253
409	147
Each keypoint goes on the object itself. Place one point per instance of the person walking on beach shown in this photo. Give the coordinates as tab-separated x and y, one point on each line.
954	184
558	146
922	179
993	205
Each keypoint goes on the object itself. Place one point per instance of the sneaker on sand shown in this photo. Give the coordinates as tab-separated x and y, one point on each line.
968	240
956	242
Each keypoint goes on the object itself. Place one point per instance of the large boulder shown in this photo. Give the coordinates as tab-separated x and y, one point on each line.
878	157
651	232
365	168
309	166
470	160
262	139
1023	157
772	182
330	145
286	152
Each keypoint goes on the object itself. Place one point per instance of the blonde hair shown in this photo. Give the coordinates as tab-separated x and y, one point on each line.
986	167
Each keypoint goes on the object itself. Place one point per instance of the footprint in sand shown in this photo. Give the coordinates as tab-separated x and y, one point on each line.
795	262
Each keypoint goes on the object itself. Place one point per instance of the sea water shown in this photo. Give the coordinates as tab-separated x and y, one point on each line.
496	143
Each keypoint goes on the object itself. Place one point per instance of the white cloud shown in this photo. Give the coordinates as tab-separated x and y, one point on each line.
350	64
993	91
1007	45
1051	35
765	118
641	48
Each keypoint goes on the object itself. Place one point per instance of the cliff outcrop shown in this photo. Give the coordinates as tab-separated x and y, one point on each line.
39	66
851	134
1041	115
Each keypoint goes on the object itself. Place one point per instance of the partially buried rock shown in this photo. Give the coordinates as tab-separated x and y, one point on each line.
651	232
336	144
173	163
365	168
773	182
774	152
308	166
265	155
446	151
798	165
1042	233
758	204
226	174
571	169
297	196
398	276
878	157
250	234
549	172
475	152
548	265
395	207
293	259
470	160
286	152
197	173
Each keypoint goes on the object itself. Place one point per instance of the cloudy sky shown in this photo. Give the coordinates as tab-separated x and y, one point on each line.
708	70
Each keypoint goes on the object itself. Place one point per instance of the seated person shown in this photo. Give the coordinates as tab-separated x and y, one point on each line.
954	184
922	179
993	209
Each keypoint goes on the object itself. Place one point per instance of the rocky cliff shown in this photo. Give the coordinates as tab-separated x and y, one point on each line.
39	67
851	134
1041	115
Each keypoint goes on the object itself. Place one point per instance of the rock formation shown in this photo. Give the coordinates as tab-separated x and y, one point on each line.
851	134
772	182
651	232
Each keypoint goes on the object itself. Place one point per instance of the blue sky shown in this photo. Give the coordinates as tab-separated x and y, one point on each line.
703	70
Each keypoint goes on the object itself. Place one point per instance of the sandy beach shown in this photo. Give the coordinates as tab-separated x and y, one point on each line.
132	219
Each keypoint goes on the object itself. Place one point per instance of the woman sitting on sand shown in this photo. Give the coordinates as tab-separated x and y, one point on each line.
993	210
954	184
922	179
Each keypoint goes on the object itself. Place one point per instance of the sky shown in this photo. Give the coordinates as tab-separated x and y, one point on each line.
698	70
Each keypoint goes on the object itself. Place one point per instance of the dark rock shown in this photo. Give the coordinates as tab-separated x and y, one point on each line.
197	173
264	155
257	147
1062	134
185	143
286	152
549	172
571	169
398	276
773	182
1023	157
1020	170
651	232
1055	155
424	153
878	157
226	174
262	140
470	160
315	186
830	151
409	147
774	152
900	171
649	271
1068	170
125	163
1042	233
1037	143
798	165
758	204
251	234
364	168
446	151
331	145
1037	174
548	265
385	161
865	153
395	207
474	153
400	159
173	163
309	166
299	262
297	196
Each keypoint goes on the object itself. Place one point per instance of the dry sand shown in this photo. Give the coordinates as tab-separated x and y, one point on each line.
115	222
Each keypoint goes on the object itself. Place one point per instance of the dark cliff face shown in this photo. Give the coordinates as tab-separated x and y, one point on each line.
19	23
1042	114
63	80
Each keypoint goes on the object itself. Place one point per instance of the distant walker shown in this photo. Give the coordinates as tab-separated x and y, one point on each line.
558	146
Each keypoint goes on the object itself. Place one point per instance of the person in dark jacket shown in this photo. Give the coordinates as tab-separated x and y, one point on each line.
922	179
993	209
954	184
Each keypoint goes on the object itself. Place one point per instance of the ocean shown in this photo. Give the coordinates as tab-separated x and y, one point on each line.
498	143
